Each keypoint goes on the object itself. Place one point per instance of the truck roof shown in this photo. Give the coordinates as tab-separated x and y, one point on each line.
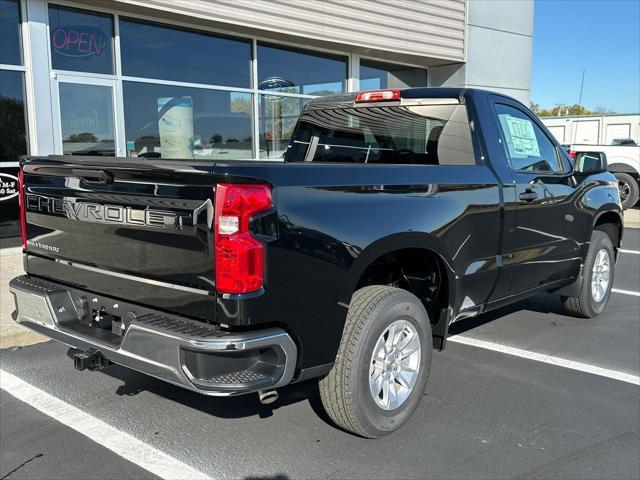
419	92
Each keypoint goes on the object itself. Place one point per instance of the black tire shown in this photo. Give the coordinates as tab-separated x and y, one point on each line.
345	391
629	190
584	305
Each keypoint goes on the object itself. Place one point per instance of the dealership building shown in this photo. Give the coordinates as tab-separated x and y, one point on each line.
114	77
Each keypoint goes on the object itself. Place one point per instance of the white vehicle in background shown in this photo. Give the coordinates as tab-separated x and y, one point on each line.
623	157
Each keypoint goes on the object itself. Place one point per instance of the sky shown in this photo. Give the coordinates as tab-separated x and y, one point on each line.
601	37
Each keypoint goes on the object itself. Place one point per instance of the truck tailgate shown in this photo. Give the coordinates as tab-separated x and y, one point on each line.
128	228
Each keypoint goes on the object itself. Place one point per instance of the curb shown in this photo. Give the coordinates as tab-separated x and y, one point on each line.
10	251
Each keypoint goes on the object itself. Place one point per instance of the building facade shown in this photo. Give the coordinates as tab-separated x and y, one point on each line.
226	79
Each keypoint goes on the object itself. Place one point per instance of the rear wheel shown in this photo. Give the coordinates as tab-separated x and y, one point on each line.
597	279
382	365
628	188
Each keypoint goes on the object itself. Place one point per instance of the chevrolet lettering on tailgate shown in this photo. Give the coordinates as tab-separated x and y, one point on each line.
99	213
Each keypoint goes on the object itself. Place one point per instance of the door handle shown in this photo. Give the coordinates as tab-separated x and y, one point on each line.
528	196
94	176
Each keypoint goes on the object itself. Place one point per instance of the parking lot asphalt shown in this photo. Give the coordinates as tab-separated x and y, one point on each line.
486	414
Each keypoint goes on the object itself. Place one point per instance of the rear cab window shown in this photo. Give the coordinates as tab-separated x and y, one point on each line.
419	134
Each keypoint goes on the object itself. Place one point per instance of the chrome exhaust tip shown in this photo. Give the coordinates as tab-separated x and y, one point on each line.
268	396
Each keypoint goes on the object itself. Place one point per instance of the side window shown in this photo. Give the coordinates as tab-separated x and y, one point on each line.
528	148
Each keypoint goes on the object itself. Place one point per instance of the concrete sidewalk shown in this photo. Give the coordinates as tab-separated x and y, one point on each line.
12	334
632	218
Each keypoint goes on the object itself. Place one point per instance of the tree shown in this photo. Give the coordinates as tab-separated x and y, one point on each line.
561	109
604	110
85	137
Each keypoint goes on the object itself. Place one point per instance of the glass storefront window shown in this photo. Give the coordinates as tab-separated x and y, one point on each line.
10	49
153	51
86	116
81	41
13	136
296	71
278	118
13	144
378	75
165	121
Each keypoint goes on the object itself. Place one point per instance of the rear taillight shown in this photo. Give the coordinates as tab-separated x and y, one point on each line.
572	154
23	210
378	96
239	256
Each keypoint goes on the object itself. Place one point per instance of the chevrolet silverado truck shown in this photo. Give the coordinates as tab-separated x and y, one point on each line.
393	214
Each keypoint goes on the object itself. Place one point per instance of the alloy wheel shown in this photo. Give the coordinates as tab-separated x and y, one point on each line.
625	190
600	275
393	372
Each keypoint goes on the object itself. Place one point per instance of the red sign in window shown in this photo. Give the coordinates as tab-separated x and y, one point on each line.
78	41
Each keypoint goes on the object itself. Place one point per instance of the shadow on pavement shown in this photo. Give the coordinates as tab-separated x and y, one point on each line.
279	476
225	407
248	405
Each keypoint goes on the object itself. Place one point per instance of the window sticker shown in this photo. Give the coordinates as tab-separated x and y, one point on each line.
523	137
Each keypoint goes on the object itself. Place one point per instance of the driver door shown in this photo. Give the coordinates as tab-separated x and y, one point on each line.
550	227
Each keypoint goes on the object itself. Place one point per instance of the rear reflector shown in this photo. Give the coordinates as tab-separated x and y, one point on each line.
239	256
23	210
378	96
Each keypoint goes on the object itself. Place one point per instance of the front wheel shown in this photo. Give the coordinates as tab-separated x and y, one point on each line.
628	188
382	364
597	279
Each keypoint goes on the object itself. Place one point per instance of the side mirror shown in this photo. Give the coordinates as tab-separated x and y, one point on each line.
590	162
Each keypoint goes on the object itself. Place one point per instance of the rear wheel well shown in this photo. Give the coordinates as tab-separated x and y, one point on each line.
624	168
611	224
419	271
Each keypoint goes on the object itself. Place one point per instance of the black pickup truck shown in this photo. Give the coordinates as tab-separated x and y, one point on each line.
393	214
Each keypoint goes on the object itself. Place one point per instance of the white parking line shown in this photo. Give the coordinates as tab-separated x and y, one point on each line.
122	444
540	357
635	252
626	292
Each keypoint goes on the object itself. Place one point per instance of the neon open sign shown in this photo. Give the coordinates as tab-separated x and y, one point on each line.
78	41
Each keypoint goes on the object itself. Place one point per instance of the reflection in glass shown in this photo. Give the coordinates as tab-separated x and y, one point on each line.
13	137
378	75
153	51
10	51
86	117
13	144
297	71
413	134
278	118
80	40
164	121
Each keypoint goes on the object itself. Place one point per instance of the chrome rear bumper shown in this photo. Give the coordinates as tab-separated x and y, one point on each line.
181	351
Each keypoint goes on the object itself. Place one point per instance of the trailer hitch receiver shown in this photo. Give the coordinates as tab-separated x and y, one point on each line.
90	360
